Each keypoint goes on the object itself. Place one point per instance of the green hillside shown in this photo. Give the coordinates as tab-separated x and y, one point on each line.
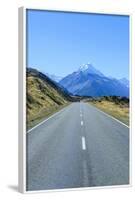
44	97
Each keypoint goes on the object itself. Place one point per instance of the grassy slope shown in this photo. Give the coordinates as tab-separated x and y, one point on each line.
119	111
42	100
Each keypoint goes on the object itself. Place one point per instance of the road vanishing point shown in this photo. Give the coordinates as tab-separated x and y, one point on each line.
77	147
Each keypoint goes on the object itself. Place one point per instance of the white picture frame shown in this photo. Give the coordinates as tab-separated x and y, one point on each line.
22	98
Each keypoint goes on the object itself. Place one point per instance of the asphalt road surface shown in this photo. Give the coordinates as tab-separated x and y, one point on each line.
77	147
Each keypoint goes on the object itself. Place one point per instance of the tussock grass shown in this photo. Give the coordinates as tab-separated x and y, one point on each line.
119	111
42	100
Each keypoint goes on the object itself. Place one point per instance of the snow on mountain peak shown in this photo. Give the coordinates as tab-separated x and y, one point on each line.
88	68
84	67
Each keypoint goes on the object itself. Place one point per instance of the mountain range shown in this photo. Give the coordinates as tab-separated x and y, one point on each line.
88	81
45	95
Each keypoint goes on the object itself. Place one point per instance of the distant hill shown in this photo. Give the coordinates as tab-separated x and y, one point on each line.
88	81
124	81
43	95
54	77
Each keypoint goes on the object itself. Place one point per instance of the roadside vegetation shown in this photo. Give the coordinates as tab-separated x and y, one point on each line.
116	106
43	98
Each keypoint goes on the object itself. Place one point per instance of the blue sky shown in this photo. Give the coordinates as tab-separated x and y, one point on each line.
59	42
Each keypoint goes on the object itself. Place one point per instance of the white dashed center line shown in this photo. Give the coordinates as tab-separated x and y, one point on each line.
80	115
83	143
81	123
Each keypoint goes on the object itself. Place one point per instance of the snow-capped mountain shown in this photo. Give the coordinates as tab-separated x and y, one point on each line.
88	81
89	69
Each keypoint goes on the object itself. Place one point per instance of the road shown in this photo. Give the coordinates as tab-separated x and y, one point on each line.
78	147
